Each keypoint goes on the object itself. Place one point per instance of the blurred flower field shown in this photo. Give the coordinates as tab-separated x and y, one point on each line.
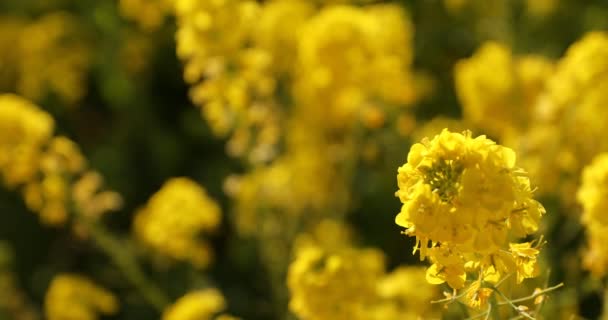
303	159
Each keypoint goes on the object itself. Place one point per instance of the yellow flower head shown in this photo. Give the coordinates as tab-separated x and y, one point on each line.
75	297
498	90
593	196
463	196
337	285
197	305
24	131
348	56
149	15
53	58
404	294
174	218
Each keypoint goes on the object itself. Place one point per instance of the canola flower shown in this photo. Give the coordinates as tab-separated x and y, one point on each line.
466	201
234	77
350	58
197	305
149	15
329	278
42	57
45	168
175	218
231	81
592	197
404	294
499	91
575	101
75	297
572	99
531	104
333	286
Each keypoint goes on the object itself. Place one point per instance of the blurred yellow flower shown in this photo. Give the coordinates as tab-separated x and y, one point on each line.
498	91
327	285
197	305
75	297
149	15
175	217
46	56
24	131
593	197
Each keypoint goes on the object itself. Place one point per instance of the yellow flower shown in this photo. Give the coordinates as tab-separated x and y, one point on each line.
42	165
230	66
90	201
196	305
404	294
24	131
593	195
462	198
148	14
525	259
174	218
53	58
348	56
477	297
326	285
498	91
75	297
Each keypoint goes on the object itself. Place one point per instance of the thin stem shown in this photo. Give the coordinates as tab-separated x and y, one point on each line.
512	304
127	264
479	315
534	295
452	298
540	305
489	312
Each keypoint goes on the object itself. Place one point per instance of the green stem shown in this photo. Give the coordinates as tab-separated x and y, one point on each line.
127	264
532	296
494	308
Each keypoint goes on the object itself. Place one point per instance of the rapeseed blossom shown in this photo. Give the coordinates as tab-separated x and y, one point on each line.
149	15
328	285
196	305
234	77
25	130
464	199
499	91
42	57
75	297
330	278
592	195
175	218
44	167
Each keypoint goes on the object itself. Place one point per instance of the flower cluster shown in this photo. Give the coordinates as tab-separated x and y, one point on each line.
498	91
350	58
464	199
175	217
45	56
197	305
75	297
333	286
45	167
235	53
149	15
331	279
577	97
593	195
532	104
231	82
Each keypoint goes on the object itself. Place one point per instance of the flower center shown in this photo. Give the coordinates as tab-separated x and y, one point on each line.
444	178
